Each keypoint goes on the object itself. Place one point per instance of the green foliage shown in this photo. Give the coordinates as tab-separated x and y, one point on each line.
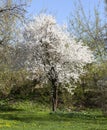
40	94
10	79
89	92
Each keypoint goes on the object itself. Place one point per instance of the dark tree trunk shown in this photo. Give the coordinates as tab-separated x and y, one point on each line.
53	77
54	97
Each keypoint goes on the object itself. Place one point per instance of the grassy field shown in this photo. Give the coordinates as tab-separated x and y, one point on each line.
30	116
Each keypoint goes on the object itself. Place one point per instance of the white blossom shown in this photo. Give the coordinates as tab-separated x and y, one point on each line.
52	46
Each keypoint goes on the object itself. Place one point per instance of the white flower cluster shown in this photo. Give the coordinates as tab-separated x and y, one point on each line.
52	46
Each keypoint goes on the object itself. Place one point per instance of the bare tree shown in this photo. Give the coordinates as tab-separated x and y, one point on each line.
11	14
90	29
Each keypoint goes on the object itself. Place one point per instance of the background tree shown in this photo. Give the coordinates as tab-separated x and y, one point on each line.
12	15
92	30
54	56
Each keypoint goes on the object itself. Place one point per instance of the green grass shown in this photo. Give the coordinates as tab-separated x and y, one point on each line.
30	116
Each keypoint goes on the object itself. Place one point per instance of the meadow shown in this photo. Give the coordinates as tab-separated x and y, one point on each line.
31	116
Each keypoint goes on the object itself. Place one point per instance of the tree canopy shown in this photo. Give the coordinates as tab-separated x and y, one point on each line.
54	55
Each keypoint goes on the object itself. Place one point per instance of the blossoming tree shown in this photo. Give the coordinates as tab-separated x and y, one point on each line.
54	55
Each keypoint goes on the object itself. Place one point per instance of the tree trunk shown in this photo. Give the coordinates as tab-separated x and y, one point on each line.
54	97
53	77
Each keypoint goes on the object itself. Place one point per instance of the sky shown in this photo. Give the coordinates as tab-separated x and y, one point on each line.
62	8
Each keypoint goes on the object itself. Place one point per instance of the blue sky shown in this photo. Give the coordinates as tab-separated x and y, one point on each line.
62	8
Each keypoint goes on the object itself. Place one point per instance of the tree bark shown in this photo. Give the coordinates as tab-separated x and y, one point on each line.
54	83
54	97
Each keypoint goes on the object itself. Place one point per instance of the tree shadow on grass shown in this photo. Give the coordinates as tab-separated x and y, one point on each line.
28	117
8	108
